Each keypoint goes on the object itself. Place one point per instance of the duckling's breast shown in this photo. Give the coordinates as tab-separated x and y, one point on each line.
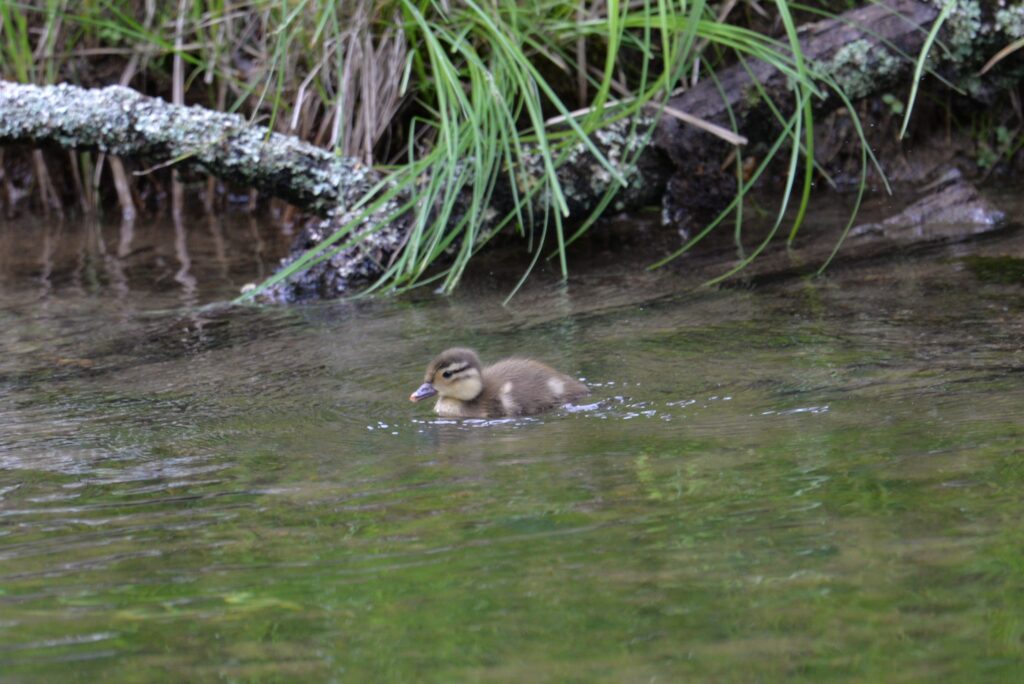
447	407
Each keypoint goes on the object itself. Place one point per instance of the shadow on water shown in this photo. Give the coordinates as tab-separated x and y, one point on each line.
804	480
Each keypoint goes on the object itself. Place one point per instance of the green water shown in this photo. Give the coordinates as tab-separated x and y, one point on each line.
797	482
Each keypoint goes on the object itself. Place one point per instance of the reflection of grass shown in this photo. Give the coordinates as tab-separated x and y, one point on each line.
1003	270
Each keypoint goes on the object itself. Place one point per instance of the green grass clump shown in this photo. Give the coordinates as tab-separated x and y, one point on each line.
458	100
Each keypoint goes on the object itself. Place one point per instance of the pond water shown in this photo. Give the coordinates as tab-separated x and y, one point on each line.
801	481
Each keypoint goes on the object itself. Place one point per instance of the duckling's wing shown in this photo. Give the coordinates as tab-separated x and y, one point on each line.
530	386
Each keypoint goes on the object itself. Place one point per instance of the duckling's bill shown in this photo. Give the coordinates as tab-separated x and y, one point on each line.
425	391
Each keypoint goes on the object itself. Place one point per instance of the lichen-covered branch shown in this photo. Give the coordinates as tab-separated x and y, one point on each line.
121	121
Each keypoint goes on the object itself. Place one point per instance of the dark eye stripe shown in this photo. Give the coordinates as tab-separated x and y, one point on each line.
452	371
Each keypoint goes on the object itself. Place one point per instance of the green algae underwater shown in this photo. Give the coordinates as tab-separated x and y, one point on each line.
801	481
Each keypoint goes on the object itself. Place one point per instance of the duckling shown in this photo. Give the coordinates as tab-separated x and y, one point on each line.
510	387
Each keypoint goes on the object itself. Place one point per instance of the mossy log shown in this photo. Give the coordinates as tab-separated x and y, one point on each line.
866	51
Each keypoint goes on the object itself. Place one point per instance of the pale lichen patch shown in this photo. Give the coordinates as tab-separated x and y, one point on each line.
857	67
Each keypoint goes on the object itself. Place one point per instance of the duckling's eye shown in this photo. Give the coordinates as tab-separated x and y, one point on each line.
447	374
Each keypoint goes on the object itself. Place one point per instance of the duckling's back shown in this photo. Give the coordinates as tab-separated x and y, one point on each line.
520	387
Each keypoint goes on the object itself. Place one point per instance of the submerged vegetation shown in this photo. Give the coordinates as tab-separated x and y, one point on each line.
471	107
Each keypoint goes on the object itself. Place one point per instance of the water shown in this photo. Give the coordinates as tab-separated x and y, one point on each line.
804	481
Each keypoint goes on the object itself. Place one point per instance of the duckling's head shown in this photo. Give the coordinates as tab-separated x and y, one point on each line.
453	374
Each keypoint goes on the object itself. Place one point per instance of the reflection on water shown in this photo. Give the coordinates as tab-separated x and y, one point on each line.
809	481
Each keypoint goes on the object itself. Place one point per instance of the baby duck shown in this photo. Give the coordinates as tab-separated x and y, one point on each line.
510	387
